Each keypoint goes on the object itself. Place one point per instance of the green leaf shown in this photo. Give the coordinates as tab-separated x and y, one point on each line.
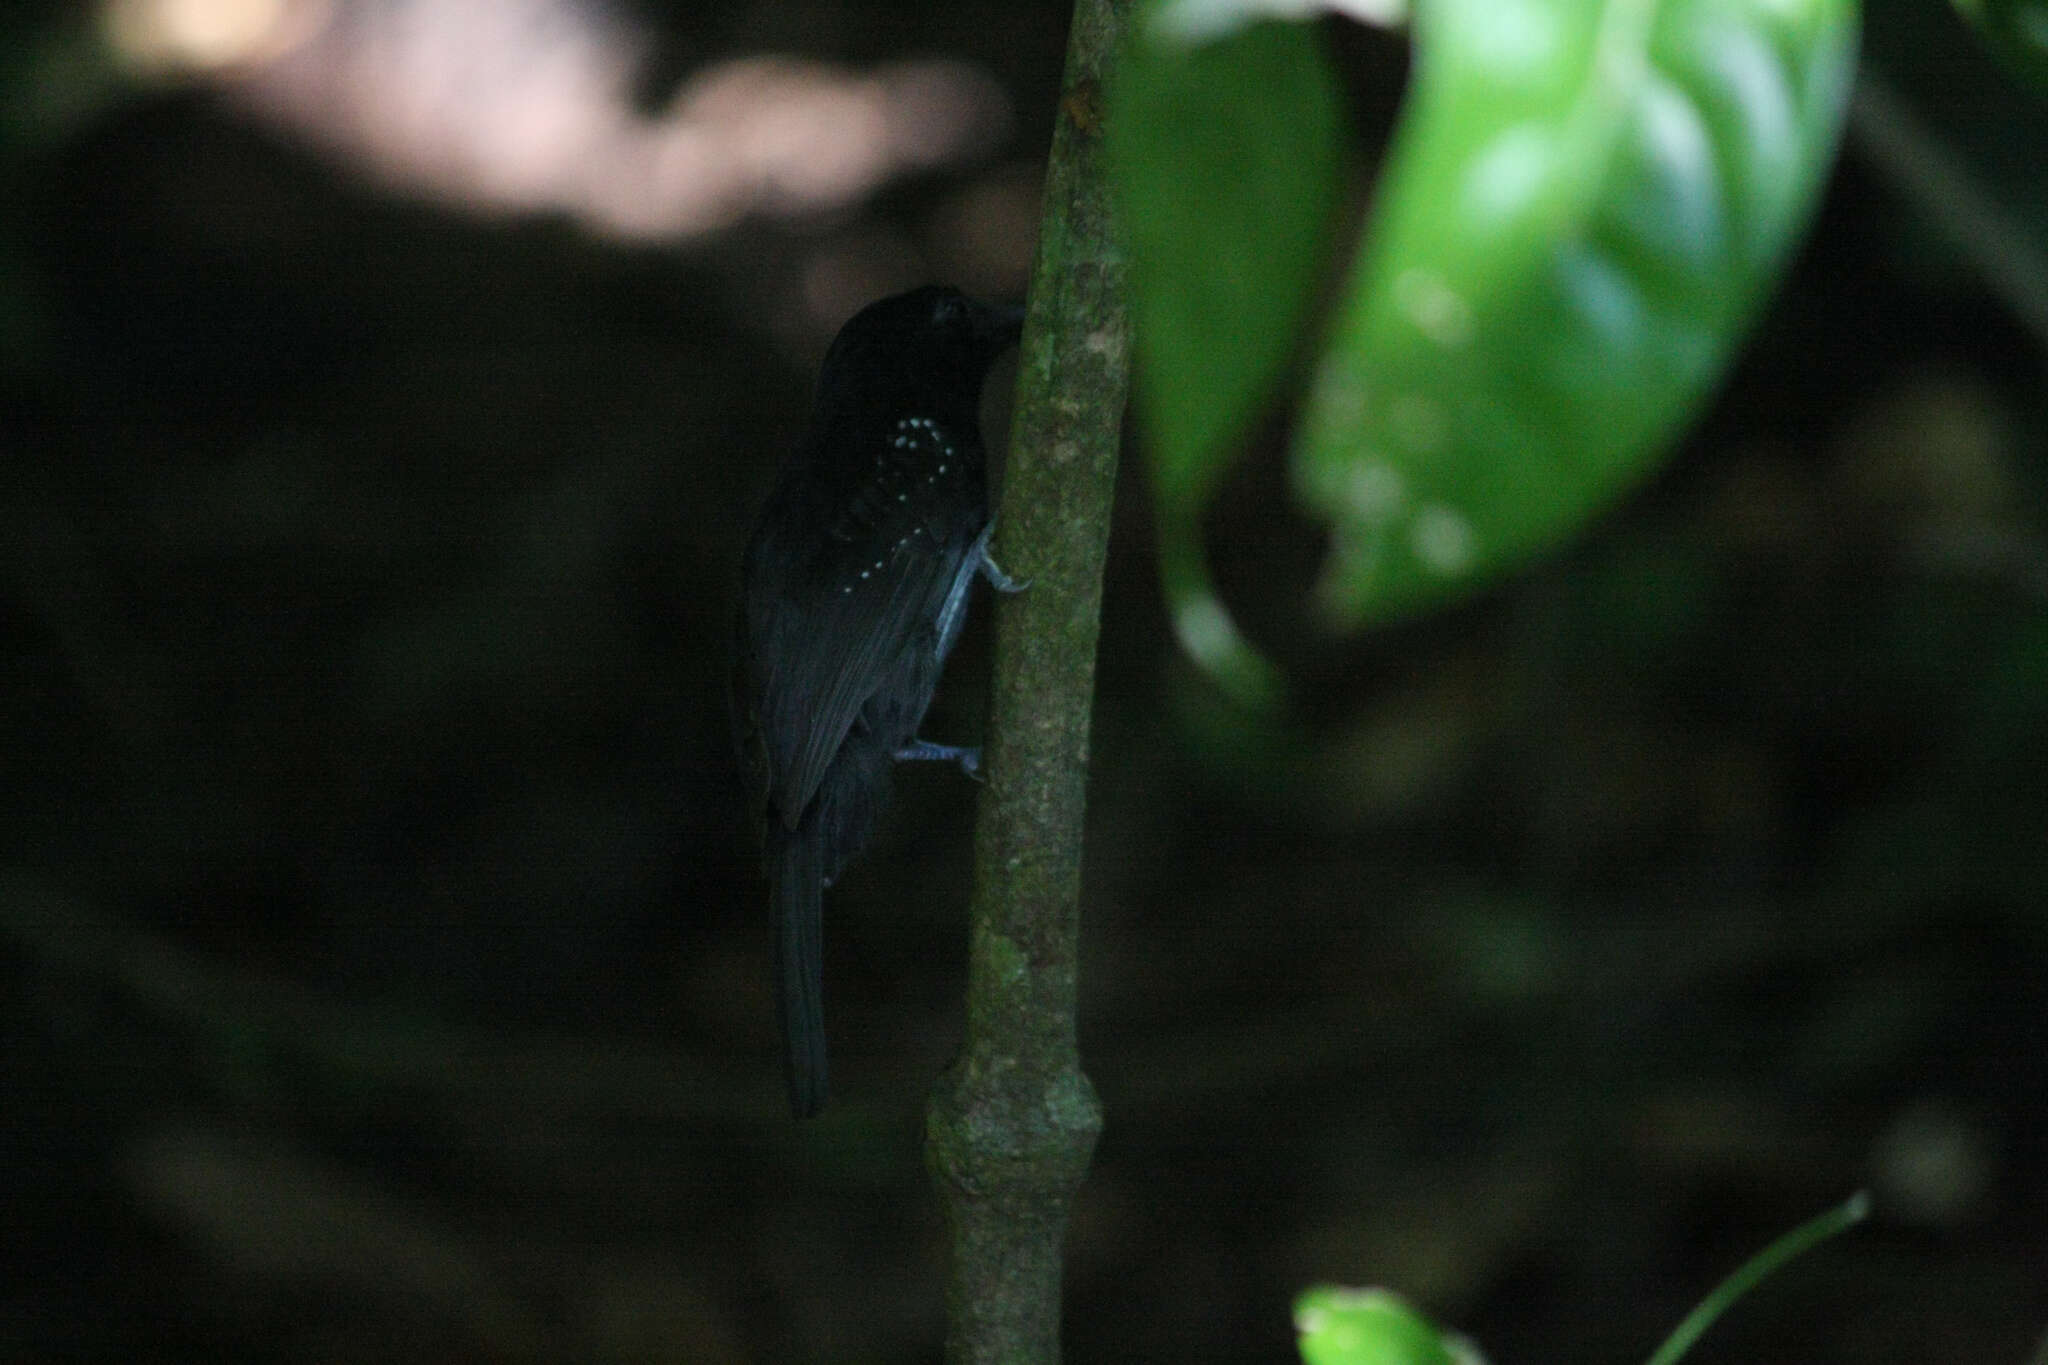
1227	159
2016	30
1369	1327
1585	206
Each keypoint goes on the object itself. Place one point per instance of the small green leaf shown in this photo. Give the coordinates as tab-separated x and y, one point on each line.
1369	1327
1227	159
1584	207
2016	30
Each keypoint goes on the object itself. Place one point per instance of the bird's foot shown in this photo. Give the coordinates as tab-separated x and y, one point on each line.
924	751
997	579
991	570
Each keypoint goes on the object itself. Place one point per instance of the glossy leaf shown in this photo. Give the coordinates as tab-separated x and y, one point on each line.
1369	1327
2017	30
1228	162
1585	205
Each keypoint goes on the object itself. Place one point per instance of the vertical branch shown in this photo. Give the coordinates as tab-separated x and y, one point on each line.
1013	1122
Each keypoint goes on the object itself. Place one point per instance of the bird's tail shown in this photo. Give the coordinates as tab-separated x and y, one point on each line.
796	876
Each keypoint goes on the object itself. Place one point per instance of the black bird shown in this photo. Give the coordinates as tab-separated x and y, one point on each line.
855	585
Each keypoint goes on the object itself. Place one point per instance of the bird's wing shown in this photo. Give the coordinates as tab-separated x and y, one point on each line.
859	612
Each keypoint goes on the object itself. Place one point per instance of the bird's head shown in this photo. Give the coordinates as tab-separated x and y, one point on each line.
934	344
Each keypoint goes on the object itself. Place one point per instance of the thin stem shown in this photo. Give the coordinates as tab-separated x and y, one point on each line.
1013	1122
1757	1269
1934	180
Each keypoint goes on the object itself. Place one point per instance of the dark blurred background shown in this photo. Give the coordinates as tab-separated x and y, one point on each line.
386	388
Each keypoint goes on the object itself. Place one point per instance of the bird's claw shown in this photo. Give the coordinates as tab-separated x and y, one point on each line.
999	580
924	751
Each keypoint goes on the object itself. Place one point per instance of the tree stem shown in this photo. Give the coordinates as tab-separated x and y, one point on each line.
1013	1121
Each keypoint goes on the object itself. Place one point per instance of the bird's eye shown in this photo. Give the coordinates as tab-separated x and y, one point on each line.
947	309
